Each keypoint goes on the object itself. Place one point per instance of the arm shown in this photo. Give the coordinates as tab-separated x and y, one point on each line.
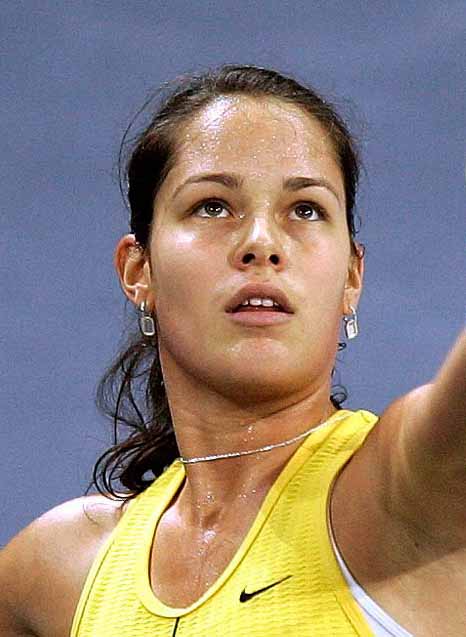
15	562
431	451
438	414
50	559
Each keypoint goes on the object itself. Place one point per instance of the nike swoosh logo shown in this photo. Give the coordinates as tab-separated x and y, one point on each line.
244	597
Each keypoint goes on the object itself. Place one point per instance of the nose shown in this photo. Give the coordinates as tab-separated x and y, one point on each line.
259	245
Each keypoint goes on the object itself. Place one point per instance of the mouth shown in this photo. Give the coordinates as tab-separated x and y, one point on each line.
264	296
260	304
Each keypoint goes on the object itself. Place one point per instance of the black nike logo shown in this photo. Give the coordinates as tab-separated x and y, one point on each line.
244	597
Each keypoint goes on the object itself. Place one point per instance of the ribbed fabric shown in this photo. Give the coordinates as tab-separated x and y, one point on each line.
288	539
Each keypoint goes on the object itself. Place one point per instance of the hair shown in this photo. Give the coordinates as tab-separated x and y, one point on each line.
132	392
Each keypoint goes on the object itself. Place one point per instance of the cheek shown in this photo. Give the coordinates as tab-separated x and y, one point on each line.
326	270
183	273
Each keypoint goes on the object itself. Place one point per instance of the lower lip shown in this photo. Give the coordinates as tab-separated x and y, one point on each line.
257	318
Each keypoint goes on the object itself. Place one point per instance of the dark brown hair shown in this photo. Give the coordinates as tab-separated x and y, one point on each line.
132	392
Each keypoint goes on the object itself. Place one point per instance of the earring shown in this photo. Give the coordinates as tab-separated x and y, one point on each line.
146	322
351	324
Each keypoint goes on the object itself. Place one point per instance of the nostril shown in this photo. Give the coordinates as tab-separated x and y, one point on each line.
248	257
274	258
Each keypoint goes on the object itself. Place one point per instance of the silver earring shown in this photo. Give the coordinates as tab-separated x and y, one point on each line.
146	322
351	324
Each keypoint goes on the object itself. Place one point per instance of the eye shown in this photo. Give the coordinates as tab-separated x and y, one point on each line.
306	210
212	208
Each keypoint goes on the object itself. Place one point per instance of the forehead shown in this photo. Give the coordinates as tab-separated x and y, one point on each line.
257	136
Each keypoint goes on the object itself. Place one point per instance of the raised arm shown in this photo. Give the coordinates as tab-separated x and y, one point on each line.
431	451
438	431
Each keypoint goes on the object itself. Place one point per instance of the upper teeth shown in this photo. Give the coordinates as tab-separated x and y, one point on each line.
266	302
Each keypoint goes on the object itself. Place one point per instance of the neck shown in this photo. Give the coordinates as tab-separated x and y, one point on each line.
218	488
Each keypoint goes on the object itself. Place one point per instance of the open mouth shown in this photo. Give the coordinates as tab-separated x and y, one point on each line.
259	306
259	313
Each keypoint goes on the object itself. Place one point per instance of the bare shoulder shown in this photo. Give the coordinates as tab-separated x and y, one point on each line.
393	536
382	458
369	496
396	417
49	560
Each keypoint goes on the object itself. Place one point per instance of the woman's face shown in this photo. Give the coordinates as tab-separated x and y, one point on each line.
255	197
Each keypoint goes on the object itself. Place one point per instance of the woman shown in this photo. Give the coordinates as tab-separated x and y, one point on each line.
274	510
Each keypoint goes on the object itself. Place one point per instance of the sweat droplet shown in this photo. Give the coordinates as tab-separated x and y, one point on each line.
209	536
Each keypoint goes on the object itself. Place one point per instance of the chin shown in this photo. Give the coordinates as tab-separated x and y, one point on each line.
255	385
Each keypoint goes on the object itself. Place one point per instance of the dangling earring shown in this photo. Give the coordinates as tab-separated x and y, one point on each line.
351	324
146	322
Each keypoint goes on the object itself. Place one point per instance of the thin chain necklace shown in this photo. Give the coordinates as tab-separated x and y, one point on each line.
250	452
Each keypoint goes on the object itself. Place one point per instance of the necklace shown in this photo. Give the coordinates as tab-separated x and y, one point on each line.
250	452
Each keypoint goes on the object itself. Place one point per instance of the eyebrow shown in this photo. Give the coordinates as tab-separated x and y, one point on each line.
233	181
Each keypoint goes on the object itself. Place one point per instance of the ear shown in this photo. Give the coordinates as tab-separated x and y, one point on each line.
354	281
133	269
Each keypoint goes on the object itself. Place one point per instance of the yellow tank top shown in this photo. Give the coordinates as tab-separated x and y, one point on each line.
283	580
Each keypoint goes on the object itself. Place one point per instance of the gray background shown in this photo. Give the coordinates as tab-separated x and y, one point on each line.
72	76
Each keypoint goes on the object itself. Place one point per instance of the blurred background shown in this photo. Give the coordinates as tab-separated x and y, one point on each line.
74	73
